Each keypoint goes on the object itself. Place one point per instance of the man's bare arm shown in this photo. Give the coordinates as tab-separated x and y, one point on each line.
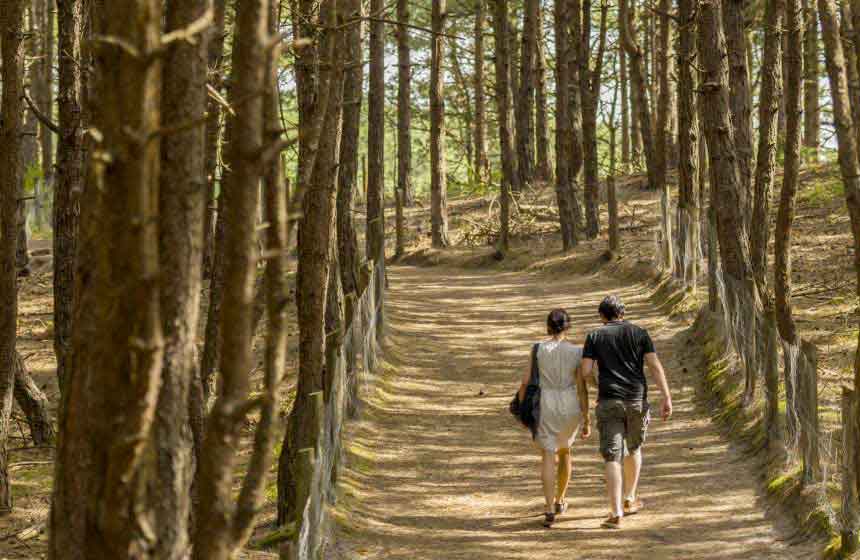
588	371
659	374
582	395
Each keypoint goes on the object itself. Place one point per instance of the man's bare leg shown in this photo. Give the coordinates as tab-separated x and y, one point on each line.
632	468
613	488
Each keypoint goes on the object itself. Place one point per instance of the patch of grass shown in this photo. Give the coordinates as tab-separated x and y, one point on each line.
822	191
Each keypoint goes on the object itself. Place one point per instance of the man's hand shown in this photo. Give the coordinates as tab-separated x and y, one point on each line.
666	410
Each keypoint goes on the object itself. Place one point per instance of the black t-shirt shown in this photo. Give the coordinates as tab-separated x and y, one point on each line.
619	349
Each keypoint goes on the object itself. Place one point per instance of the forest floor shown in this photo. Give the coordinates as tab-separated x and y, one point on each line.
439	470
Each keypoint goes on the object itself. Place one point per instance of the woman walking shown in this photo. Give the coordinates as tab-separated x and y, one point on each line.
563	410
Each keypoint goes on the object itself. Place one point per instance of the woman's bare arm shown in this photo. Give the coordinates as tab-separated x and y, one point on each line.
524	384
582	395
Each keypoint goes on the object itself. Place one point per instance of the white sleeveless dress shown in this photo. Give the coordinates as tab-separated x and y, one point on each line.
559	403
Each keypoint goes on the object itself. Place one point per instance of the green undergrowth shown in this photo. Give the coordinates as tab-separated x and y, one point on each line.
722	391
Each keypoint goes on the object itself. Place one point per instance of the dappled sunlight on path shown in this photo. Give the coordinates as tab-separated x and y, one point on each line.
438	468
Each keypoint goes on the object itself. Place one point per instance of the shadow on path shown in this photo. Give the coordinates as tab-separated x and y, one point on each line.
438	468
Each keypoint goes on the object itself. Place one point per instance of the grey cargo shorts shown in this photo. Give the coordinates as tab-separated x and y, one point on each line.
622	426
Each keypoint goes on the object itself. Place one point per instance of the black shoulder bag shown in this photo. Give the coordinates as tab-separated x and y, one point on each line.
527	411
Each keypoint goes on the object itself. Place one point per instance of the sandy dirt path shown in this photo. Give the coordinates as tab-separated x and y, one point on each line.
440	470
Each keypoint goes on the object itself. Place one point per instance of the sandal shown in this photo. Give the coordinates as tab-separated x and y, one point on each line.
632	507
611	522
548	519
560	508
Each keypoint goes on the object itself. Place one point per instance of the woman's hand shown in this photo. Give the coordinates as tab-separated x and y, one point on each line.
586	428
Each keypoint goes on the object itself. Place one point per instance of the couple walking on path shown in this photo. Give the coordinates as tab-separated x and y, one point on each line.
563	371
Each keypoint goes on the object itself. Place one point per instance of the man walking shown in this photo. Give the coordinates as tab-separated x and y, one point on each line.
621	350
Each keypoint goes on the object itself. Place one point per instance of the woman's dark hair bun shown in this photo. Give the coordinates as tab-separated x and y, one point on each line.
557	321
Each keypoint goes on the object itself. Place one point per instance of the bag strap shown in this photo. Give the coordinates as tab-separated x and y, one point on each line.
535	376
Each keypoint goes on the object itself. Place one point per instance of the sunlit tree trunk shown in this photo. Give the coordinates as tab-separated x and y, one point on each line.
811	75
11	23
438	165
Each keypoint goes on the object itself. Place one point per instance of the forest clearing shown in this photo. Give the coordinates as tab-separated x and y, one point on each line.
270	272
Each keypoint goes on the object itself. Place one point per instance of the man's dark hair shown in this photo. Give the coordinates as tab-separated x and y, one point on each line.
611	308
557	321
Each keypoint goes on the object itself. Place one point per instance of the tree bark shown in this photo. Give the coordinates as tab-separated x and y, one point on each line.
376	142
220	523
112	385
482	164
316	228
664	101
438	164
791	166
34	404
771	92
811	74
70	154
182	206
639	91
11	24
688	146
625	112
45	101
846	137
612	199
526	97
404	120
543	170
510	174
564	132
347	178
215	56
590	95
740	99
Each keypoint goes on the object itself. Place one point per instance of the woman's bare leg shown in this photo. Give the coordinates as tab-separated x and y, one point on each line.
548	478
563	478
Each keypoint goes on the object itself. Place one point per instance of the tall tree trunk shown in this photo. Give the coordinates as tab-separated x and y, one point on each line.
215	56
482	164
221	523
45	102
811	74
590	94
438	166
525	99
70	16
510	175
543	170
11	23
612	199
664	101
314	241
574	18
771	92
376	143
851	64
847	140
688	146
564	134
625	111
635	132
112	383
726	185
182	206
347	178
787	200
404	120
740	100
639	91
